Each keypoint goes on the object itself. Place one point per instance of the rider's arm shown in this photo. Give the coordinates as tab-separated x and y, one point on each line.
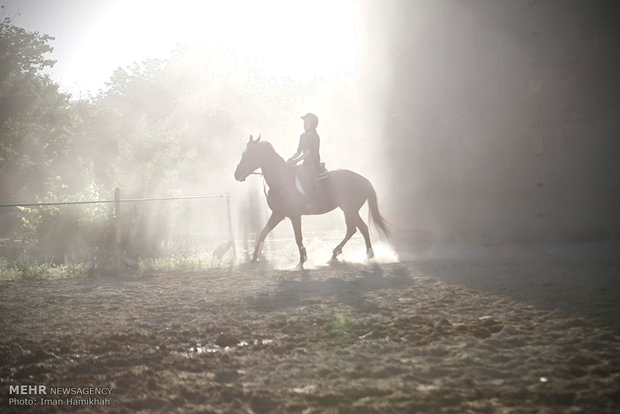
298	156
313	147
295	159
302	157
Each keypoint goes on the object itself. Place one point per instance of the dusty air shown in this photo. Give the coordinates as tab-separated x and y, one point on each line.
310	206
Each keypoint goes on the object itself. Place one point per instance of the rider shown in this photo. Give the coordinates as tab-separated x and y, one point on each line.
308	151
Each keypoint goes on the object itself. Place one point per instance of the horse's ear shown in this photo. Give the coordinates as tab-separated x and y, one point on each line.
251	139
258	139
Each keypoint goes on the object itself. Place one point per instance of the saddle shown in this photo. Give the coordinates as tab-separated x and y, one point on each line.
301	180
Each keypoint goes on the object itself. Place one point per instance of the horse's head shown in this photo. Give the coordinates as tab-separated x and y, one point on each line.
251	159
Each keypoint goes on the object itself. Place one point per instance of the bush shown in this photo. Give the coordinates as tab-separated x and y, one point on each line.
61	235
29	271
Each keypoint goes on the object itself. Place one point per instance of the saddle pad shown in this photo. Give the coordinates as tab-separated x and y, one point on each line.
299	187
321	175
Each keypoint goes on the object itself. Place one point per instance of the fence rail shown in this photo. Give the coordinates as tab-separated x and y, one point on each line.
117	202
122	200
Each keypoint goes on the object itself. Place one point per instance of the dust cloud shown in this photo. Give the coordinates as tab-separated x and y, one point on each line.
499	119
175	120
475	121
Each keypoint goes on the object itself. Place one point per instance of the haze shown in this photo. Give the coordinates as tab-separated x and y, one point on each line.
476	121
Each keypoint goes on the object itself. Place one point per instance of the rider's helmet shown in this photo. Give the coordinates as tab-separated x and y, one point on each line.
313	119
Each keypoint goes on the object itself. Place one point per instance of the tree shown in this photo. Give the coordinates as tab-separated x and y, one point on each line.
35	117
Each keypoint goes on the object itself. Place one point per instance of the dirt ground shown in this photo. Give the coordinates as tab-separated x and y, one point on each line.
534	334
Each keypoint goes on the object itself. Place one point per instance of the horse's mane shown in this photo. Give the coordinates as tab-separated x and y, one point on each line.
268	145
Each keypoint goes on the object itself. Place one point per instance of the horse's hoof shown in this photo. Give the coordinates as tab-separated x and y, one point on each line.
254	260
370	254
303	256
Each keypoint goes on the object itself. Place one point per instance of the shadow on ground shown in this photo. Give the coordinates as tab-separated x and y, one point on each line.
574	282
347	283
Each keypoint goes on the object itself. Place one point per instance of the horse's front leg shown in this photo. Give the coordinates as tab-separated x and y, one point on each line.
351	229
296	221
271	223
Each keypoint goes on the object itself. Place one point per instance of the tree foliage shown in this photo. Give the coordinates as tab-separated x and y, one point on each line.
35	118
157	128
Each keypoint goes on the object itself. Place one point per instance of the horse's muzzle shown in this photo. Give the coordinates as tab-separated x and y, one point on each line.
239	176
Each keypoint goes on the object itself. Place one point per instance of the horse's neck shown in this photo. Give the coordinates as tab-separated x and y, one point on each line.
276	172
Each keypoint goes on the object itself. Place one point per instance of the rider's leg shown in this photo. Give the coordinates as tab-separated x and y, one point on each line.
296	221
271	223
315	188
312	182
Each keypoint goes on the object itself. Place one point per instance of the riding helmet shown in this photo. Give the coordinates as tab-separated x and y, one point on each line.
314	120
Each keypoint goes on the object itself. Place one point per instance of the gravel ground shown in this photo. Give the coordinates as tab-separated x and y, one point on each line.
476	335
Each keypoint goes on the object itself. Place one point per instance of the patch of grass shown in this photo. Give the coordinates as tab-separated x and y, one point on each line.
343	326
33	271
8	272
181	262
184	262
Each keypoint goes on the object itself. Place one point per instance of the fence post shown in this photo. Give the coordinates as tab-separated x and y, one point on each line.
230	228
117	216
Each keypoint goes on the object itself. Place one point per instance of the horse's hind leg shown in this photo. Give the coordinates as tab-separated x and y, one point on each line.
351	229
296	221
359	222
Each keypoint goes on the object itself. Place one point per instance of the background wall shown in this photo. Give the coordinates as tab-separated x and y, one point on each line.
500	118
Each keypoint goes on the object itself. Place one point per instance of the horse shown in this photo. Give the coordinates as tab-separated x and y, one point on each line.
342	189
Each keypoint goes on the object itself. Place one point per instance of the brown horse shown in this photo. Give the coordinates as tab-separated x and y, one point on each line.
342	188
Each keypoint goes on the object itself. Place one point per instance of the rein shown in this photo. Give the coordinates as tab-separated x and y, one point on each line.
264	182
273	194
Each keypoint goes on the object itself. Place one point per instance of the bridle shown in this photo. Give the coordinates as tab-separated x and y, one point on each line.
264	181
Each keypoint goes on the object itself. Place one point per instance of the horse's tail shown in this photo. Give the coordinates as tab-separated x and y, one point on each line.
374	217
